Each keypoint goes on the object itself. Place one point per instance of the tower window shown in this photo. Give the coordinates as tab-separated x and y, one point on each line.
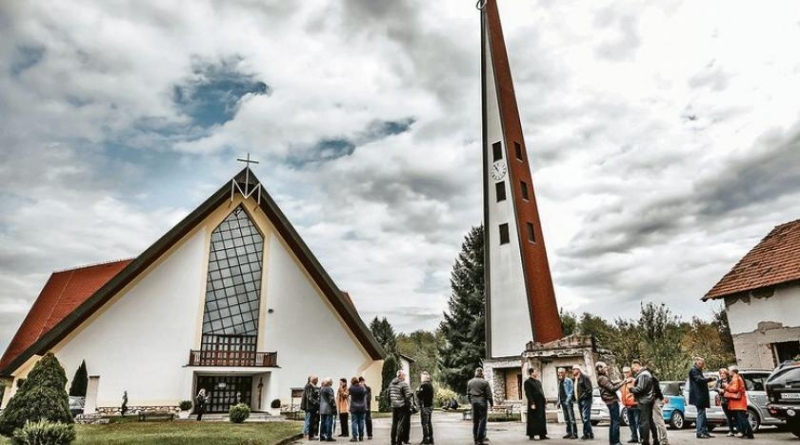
531	234
504	239
518	150
524	189
497	151
500	190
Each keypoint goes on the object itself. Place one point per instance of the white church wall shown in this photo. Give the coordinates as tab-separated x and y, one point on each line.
303	328
510	318
139	342
744	314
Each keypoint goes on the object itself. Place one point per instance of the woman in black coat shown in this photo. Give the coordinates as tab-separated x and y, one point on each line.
537	405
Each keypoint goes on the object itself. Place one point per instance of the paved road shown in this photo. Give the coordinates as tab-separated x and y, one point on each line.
449	429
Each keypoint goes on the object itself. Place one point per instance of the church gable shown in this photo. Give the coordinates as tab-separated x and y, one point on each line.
246	184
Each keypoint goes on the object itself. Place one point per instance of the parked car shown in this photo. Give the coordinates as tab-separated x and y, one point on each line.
674	407
76	405
783	392
600	410
757	412
714	415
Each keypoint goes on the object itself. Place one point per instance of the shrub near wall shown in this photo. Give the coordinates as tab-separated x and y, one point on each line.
43	396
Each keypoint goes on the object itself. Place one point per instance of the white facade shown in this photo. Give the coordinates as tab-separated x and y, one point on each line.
509	316
140	340
744	314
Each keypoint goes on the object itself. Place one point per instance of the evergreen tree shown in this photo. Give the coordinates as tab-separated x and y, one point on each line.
384	334
42	396
389	372
464	325
79	382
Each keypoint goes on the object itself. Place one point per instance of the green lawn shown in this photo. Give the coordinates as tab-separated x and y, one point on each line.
188	433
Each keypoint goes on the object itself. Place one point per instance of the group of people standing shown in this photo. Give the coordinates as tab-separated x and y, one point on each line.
404	405
641	395
352	404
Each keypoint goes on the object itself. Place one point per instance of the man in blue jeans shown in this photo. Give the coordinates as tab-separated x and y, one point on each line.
699	397
583	394
566	400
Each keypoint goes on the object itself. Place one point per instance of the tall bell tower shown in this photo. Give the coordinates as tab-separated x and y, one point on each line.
520	300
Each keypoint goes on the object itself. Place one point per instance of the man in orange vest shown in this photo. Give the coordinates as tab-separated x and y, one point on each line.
630	404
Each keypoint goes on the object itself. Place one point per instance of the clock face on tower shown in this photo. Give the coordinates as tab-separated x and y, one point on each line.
498	170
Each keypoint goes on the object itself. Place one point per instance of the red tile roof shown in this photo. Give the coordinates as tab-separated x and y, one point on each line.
63	293
775	260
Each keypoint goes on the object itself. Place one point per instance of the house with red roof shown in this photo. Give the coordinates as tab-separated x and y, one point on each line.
230	300
762	300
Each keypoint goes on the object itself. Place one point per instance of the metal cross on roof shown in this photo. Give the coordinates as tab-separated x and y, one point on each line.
246	192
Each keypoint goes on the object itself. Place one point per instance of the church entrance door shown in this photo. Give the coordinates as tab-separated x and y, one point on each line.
224	391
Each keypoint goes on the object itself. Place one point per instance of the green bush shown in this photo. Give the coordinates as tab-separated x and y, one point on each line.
43	396
239	413
275	404
388	373
79	382
185	405
44	433
443	394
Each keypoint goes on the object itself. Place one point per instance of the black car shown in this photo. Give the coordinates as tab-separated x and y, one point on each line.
783	392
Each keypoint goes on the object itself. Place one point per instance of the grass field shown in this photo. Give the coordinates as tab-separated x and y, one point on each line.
184	433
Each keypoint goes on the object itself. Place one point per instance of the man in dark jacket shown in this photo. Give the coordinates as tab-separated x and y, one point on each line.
368	418
400	398
479	394
645	396
310	404
608	393
327	410
698	396
566	399
583	394
425	398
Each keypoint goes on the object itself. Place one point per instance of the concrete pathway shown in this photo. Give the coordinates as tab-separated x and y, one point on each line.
450	429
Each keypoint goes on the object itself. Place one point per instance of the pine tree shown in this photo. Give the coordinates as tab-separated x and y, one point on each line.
388	374
79	382
384	334
42	396
464	325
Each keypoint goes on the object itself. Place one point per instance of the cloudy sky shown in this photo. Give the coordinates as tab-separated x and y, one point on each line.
664	137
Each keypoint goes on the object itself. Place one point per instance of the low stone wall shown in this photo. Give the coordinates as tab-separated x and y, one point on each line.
134	410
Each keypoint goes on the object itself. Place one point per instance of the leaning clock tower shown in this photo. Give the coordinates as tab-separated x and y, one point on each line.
520	300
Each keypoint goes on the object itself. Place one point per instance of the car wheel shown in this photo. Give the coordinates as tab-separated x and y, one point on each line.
595	422
755	422
623	417
676	421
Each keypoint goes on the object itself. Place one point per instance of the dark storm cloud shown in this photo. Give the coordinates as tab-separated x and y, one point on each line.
766	173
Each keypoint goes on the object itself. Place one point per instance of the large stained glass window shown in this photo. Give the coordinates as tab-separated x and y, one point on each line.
234	279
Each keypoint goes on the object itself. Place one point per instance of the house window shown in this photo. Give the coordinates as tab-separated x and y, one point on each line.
504	239
497	151
500	190
531	233
524	189
518	150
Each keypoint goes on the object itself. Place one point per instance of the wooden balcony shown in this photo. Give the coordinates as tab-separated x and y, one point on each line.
233	358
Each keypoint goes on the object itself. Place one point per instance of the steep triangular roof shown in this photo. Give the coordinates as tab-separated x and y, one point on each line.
89	305
774	260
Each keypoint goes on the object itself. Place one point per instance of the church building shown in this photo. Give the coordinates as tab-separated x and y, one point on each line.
230	300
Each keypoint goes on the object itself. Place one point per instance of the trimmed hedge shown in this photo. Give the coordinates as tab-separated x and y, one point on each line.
239	413
43	396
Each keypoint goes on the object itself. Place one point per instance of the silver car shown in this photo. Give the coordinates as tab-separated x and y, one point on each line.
757	413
